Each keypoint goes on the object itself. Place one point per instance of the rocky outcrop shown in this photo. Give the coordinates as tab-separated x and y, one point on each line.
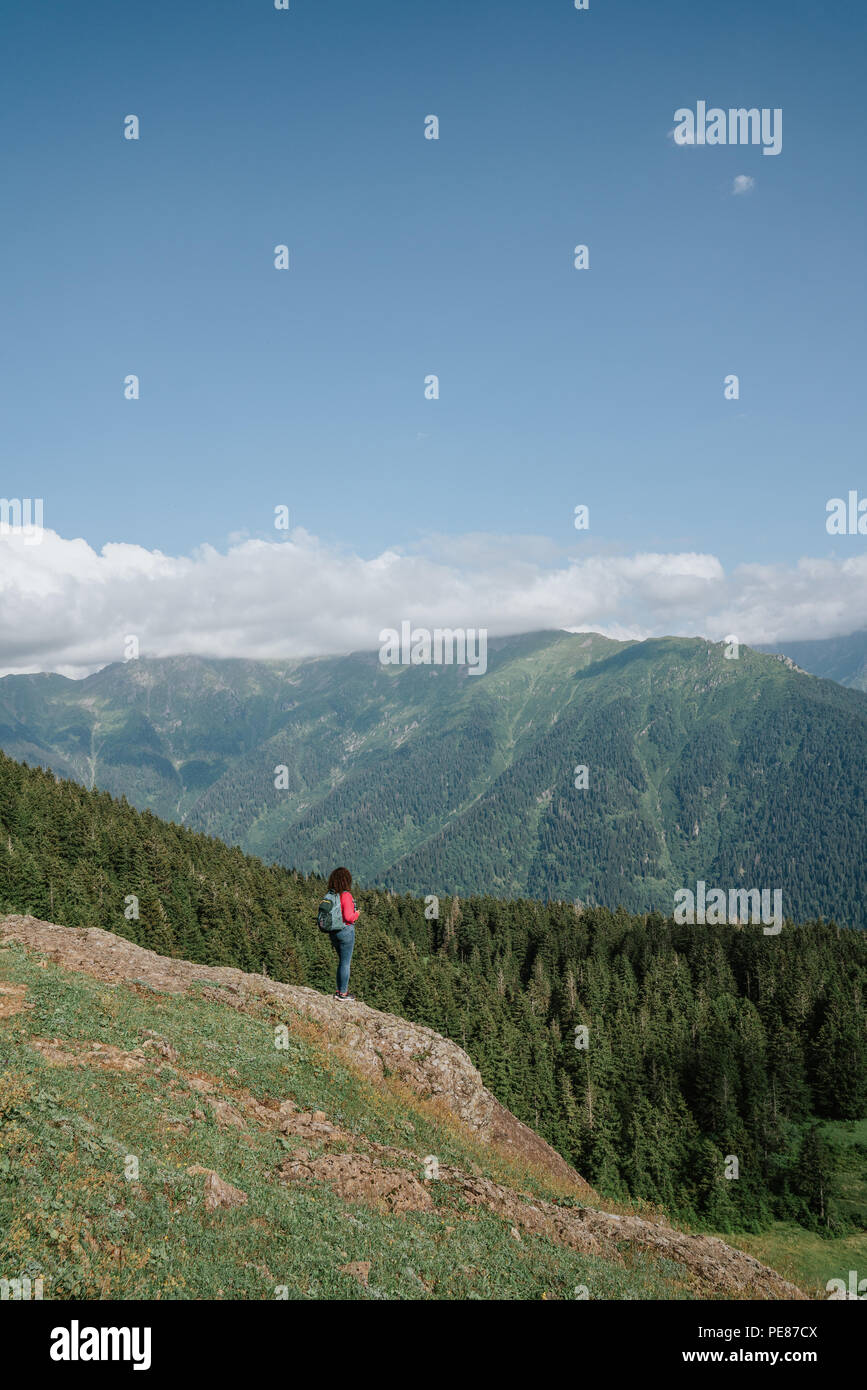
376	1043
218	1192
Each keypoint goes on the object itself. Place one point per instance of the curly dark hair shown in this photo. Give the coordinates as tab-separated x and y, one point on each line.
340	881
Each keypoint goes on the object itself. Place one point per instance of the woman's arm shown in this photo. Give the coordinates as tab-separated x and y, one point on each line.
348	908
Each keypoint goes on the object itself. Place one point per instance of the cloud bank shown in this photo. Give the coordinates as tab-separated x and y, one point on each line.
67	607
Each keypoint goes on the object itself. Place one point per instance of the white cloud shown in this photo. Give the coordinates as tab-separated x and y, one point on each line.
743	183
66	607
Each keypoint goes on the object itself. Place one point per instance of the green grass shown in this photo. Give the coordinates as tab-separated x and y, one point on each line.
850	1136
69	1213
805	1258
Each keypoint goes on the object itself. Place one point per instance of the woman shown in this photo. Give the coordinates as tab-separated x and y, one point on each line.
343	940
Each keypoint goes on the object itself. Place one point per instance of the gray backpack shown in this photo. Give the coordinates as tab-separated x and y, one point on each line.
329	917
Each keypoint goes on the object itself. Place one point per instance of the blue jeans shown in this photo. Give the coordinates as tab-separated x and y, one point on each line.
343	942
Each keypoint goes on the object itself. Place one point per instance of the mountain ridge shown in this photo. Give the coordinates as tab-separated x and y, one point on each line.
842	659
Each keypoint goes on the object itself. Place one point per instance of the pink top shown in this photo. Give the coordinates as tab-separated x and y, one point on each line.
348	908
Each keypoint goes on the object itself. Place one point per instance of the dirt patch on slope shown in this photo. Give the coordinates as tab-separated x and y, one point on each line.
12	1000
357	1178
218	1192
65	1053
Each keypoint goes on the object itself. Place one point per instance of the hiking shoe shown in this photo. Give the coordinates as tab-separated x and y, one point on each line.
346	998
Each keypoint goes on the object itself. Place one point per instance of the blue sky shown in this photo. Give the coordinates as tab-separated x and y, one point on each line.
452	257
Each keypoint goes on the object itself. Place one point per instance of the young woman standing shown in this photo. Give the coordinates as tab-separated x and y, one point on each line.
343	939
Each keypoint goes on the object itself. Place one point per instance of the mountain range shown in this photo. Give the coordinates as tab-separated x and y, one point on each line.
741	772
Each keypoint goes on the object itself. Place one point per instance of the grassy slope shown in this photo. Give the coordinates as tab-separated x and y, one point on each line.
68	1213
807	1259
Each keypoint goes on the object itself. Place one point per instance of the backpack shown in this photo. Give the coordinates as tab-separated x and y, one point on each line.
329	916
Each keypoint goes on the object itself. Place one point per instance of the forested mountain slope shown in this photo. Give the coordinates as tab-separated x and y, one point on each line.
743	773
